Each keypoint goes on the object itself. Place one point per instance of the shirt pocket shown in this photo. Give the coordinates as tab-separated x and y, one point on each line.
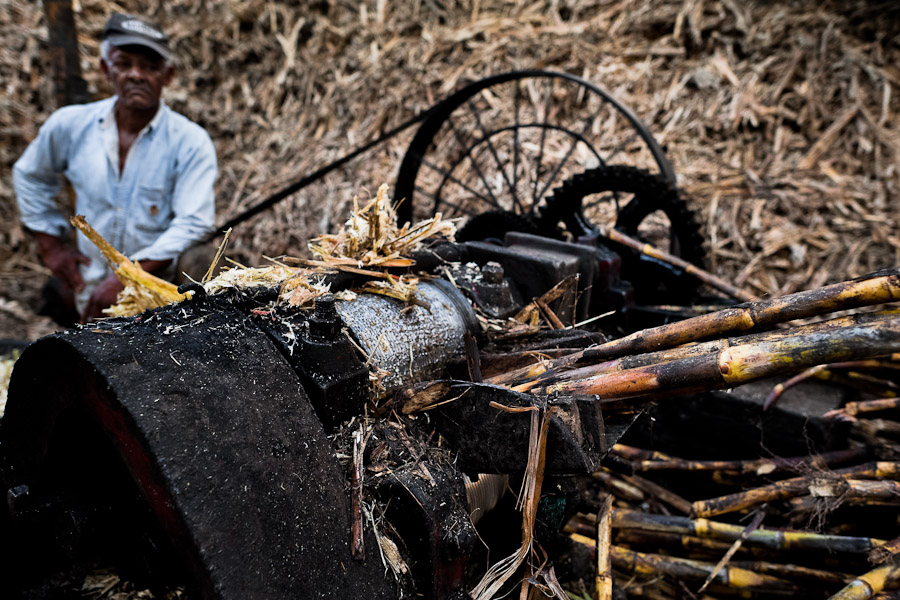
153	210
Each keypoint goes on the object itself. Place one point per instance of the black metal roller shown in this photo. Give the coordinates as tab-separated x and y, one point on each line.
494	225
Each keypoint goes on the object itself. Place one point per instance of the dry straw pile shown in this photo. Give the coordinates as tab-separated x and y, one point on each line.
780	117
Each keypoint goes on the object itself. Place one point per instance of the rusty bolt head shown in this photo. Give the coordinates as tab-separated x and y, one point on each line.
492	272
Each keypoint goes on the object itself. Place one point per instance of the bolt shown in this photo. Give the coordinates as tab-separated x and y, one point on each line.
325	323
492	272
325	307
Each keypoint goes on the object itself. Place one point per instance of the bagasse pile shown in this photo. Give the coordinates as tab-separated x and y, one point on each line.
780	117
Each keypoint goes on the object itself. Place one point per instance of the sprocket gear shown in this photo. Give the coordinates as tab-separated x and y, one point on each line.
648	194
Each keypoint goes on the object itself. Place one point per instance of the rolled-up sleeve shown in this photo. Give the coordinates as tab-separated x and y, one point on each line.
193	201
36	178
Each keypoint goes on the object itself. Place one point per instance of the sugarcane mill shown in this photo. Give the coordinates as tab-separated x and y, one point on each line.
462	408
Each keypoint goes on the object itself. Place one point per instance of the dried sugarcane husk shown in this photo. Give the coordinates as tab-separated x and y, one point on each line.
788	488
656	253
866	586
877	288
418	396
652	565
774	539
529	496
604	577
357	537
142	290
655	461
741	363
554	371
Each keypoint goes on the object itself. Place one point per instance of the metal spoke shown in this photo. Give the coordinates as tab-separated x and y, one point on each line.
621	146
448	177
472	160
565	158
459	209
516	144
540	159
487	138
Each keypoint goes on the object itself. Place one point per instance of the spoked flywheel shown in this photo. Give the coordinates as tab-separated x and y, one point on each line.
501	144
640	204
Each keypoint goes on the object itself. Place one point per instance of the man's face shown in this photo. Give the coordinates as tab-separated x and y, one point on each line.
137	75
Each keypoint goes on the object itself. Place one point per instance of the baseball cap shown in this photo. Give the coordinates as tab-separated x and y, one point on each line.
129	30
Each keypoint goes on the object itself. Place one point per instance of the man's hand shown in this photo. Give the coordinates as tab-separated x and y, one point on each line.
62	259
107	292
104	296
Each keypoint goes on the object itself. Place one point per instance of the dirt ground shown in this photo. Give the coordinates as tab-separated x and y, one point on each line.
780	117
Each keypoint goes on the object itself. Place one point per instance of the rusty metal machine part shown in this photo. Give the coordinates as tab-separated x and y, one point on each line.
643	205
217	411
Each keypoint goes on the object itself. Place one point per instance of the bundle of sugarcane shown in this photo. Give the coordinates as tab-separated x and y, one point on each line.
674	359
649	552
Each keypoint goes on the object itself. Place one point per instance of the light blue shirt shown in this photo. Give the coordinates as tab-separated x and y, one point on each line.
159	204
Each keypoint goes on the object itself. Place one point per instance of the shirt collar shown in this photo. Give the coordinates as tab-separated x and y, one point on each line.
108	118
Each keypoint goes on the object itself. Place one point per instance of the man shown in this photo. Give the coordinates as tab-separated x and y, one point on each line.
143	175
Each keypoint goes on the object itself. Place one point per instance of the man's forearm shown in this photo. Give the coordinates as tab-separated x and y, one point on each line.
154	266
48	243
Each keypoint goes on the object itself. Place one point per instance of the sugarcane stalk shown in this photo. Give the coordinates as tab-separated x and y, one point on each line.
498	365
853	409
735	546
604	578
659	492
866	586
787	488
549	370
876	427
691	269
859	488
691	544
653	565
624	490
813	504
657	461
774	539
793	572
160	292
885	551
640	454
824	372
876	288
741	363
